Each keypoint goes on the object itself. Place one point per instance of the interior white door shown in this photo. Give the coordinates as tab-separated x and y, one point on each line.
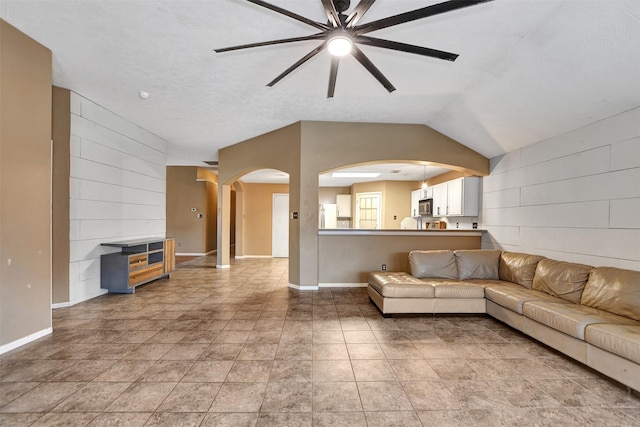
280	226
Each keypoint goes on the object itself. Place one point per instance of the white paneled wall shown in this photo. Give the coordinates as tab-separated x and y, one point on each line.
575	197
118	189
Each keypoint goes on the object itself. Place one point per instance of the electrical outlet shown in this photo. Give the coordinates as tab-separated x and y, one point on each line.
384	267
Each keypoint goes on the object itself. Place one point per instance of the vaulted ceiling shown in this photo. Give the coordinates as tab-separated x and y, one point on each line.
528	69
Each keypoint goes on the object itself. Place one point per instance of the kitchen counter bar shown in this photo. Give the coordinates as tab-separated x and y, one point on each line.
347	255
421	233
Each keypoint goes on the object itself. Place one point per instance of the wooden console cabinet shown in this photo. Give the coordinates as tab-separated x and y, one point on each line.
138	262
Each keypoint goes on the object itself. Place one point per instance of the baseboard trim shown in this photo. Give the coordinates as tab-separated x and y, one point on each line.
191	253
255	256
223	266
79	300
60	305
303	288
25	340
342	285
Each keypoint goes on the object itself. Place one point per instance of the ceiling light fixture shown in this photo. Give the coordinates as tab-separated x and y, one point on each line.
144	94
355	174
340	46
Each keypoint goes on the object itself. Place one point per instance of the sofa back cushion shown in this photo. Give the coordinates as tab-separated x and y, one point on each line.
477	264
518	268
561	279
614	290
436	264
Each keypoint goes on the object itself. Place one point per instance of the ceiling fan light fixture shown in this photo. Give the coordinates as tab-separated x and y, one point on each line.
340	45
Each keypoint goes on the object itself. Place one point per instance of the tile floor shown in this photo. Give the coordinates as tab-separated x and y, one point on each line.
237	347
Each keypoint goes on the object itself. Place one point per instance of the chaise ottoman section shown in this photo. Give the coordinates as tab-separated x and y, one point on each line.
400	285
400	292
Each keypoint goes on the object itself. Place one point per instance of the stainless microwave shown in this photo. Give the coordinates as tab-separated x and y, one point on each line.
425	207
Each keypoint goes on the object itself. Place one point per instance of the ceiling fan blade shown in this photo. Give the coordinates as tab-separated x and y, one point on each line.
413	15
333	75
271	42
409	48
357	12
366	63
301	61
332	13
290	14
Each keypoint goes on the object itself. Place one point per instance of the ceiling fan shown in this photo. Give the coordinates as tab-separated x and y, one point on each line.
340	35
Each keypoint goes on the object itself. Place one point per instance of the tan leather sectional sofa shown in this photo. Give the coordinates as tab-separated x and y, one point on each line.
591	314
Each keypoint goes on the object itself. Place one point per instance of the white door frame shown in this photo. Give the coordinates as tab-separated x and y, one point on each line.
379	213
280	225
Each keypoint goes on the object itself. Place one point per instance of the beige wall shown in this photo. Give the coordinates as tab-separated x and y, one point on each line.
184	193
61	135
368	252
306	149
257	217
25	187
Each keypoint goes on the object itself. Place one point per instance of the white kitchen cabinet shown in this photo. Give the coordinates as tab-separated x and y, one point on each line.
440	199
458	197
416	196
344	205
428	192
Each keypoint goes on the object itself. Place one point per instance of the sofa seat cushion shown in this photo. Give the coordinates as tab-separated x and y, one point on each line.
623	340
615	290
513	296
400	285
572	319
453	289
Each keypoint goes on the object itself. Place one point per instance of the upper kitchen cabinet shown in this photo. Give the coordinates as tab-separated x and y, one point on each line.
458	197
416	195
344	205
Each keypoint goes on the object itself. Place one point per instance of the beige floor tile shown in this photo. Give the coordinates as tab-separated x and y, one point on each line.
383	396
431	395
393	418
141	397
244	371
291	371
288	397
336	397
208	371
365	351
332	370
93	397
284	419
168	419
44	397
190	397
339	419
239	397
373	370
244	419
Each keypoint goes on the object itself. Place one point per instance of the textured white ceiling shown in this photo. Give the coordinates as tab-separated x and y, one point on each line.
528	69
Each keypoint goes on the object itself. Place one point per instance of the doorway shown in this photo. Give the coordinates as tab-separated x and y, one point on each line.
280	226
